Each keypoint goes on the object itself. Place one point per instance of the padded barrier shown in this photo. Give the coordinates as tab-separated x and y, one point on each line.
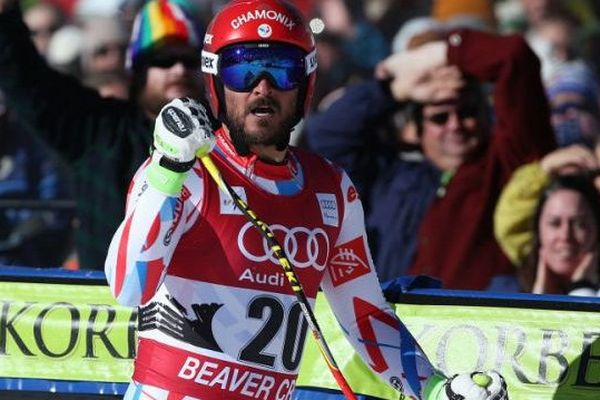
61	332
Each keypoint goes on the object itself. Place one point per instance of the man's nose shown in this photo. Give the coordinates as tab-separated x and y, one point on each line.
263	87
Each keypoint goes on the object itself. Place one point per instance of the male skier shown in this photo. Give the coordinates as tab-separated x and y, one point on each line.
218	319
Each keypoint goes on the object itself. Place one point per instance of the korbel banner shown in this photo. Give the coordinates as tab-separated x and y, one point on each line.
545	349
544	353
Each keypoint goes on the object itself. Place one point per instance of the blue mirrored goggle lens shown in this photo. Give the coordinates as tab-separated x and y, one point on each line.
242	66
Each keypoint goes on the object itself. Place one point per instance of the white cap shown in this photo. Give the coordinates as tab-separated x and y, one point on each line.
96	8
65	46
413	27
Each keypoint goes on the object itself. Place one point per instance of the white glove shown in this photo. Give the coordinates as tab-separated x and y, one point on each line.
469	386
182	131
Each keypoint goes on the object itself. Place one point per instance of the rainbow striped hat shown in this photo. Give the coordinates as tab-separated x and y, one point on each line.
156	22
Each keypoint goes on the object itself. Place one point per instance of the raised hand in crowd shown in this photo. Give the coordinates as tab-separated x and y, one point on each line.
337	17
571	159
574	159
421	74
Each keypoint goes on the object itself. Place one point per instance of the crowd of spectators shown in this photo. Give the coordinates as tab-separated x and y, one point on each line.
439	110
103	139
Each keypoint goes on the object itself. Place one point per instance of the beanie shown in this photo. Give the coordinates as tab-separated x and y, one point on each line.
158	22
446	10
577	77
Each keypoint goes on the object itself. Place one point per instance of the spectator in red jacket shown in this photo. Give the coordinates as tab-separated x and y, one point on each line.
436	216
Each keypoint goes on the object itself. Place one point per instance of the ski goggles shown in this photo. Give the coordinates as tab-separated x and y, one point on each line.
240	67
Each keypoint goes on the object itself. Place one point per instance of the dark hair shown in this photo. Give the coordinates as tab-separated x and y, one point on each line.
580	183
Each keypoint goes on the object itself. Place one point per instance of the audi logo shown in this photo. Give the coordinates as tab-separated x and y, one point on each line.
303	246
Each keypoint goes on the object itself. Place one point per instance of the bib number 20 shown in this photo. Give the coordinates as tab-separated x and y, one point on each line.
272	312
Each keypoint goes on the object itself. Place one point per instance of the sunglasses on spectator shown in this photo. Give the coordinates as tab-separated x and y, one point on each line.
242	66
165	60
563	108
441	118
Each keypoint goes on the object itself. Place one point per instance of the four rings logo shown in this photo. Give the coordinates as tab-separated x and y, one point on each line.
304	247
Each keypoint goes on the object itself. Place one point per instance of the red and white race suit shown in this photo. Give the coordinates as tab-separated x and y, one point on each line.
218	318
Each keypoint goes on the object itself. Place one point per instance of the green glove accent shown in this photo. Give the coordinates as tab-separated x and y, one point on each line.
482	379
434	386
165	180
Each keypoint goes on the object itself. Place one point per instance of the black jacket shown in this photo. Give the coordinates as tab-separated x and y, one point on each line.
104	140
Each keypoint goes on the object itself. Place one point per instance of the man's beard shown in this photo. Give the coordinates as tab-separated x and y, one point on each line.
153	101
278	136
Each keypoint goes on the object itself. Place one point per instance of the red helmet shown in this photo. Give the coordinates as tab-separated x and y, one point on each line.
257	22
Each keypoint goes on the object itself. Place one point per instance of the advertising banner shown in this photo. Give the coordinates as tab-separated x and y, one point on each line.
543	354
66	332
78	333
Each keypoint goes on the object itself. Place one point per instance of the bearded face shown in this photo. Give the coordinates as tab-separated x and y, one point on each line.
263	117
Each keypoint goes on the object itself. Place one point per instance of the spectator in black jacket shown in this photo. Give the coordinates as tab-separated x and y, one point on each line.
104	139
35	198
